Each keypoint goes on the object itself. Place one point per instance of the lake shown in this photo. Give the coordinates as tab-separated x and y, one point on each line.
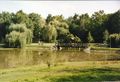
10	58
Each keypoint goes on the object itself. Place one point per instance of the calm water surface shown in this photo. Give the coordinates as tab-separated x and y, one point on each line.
17	57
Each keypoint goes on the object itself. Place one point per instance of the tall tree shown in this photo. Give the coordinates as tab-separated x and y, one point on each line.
80	25
113	24
19	35
5	21
38	24
49	33
22	17
97	25
49	18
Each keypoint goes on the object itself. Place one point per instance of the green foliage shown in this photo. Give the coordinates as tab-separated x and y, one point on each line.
57	28
113	23
60	25
38	24
5	21
22	17
29	36
17	27
90	38
98	21
105	36
18	36
114	40
49	33
62	33
49	18
79	26
15	39
77	39
70	38
6	17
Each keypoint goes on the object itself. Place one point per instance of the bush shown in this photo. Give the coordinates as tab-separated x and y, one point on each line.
114	40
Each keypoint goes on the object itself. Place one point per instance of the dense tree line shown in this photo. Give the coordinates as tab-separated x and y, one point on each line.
18	29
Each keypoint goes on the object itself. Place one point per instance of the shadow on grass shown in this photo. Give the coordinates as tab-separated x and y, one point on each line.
89	75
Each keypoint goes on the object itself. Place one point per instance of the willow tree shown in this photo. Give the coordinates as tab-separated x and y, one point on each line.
49	34
15	39
18	36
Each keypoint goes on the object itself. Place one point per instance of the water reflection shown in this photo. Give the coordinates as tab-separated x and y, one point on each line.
17	57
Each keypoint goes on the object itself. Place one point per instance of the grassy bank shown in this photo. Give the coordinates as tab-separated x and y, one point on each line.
94	46
64	72
104	48
32	46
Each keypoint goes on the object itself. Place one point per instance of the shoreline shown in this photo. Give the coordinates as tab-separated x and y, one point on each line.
51	45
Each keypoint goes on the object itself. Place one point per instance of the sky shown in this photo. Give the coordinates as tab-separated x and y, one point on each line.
66	8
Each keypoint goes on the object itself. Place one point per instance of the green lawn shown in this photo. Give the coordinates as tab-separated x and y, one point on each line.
64	72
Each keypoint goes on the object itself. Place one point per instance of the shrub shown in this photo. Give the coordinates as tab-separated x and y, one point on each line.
114	40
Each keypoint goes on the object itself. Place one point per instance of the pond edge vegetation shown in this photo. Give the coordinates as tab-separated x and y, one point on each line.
18	29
